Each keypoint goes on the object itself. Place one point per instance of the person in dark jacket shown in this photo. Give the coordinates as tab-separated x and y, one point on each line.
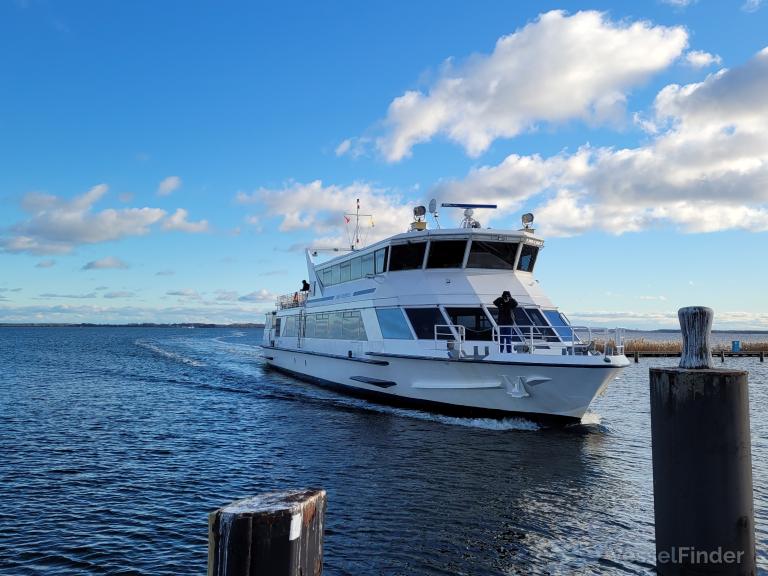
506	306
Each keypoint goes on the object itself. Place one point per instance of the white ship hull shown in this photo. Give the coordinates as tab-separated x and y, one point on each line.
541	388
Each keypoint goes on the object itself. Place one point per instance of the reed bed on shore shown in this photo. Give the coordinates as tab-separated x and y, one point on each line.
632	345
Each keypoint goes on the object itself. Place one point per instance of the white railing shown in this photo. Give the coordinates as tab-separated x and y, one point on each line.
451	332
292	300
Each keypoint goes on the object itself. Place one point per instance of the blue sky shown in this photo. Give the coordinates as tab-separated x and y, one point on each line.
165	161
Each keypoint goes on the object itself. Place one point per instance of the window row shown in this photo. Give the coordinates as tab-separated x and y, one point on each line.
494	255
342	325
477	325
359	267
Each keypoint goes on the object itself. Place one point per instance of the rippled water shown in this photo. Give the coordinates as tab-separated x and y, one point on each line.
116	443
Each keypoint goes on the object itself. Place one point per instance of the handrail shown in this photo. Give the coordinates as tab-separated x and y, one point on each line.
457	332
291	300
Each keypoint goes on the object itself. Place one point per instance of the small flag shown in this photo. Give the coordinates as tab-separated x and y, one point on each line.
346	219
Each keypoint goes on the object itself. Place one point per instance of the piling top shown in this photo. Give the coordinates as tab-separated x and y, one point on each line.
696	325
288	500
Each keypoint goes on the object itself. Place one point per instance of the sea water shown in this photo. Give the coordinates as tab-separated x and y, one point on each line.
115	443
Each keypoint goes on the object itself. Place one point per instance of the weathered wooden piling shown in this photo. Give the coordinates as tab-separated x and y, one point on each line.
275	534
702	464
637	356
762	356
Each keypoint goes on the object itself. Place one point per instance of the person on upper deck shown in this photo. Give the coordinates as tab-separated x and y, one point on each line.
506	306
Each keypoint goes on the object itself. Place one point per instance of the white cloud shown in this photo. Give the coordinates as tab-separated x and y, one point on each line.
75	296
47	263
555	69
168	185
751	5
110	262
705	170
258	296
57	225
165	273
679	3
699	59
185	293
313	206
178	221
661	298
119	294
354	147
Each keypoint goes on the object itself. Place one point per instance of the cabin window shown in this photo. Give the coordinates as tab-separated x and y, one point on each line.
352	327
476	324
291	326
335	274
407	256
494	312
309	326
381	260
327	277
560	324
446	253
277	326
424	320
539	320
321	325
367	265
494	255
334	325
355	268
528	258
393	324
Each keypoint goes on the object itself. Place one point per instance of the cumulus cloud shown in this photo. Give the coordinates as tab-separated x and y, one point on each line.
168	185
106	263
178	221
313	206
47	263
699	59
706	168
555	69
56	225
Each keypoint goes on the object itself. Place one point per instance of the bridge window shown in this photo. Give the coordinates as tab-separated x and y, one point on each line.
393	324
345	271
407	256
474	320
355	268
560	323
366	265
446	253
381	260
424	320
528	258
494	255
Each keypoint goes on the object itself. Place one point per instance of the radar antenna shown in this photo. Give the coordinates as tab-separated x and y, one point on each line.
469	211
433	211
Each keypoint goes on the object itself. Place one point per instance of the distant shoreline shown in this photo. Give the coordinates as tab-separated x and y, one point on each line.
141	325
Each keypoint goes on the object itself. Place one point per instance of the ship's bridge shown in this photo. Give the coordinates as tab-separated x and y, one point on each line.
436	249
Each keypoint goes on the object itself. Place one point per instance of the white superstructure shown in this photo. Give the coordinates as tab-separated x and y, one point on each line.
411	320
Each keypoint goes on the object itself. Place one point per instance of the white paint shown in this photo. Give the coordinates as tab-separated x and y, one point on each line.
295	531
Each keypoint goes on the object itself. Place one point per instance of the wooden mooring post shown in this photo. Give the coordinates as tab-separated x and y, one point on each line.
702	463
275	534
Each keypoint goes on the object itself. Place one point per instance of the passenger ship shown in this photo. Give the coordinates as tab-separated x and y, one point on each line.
410	320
